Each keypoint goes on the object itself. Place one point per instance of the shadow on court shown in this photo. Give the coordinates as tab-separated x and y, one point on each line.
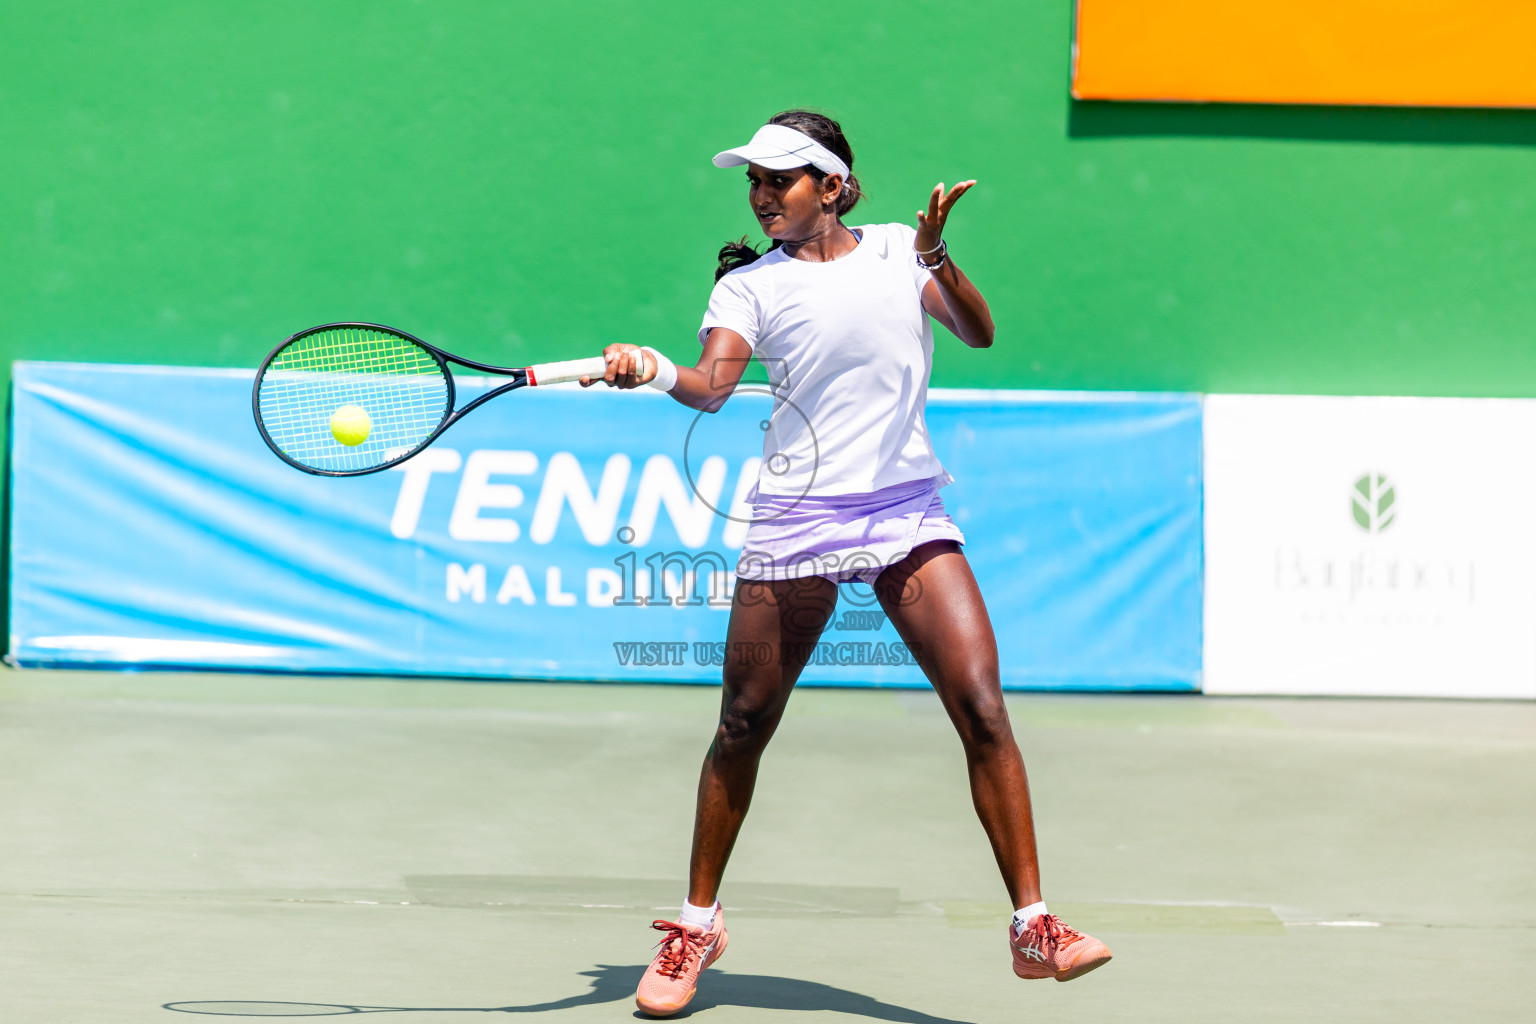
612	984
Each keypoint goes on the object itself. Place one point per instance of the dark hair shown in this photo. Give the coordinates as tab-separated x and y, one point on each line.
830	134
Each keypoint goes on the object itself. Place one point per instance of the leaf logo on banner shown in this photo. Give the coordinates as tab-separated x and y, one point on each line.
1375	502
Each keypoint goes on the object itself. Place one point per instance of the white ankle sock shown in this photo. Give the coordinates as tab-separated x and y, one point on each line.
704	917
1022	917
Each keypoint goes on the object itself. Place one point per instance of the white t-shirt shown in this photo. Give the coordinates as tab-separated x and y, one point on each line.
848	350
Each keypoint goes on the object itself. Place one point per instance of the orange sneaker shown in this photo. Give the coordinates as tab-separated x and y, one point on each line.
1049	949
673	977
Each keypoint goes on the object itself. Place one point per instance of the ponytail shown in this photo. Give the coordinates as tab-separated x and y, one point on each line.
739	254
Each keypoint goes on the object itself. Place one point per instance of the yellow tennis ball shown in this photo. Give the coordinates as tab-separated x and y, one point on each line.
350	425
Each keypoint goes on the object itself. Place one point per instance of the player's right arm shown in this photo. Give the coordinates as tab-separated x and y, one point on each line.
704	386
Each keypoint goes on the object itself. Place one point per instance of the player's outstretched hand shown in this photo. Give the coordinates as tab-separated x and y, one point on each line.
930	223
628	367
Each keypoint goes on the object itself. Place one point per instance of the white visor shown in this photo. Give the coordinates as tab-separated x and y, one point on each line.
778	148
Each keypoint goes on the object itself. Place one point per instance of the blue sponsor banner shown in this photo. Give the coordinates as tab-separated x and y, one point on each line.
567	534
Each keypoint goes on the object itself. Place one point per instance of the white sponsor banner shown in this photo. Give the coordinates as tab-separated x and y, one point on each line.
1370	546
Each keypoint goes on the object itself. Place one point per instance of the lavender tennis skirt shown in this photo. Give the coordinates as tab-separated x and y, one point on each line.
844	537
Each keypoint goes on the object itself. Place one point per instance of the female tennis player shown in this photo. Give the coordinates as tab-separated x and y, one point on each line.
849	490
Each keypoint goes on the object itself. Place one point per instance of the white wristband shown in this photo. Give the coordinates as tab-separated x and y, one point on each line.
666	370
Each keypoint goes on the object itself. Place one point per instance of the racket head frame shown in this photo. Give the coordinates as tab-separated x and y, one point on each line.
451	415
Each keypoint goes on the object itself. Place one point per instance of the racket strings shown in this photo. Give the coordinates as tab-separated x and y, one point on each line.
397	383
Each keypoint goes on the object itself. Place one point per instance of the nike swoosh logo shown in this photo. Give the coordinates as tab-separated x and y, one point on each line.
885	248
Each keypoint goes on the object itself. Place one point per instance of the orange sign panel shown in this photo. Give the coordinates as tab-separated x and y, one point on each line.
1444	53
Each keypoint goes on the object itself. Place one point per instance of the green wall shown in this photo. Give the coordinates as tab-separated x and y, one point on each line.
189	182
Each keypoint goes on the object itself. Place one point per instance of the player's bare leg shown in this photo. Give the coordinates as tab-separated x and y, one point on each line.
932	599
773	631
774	627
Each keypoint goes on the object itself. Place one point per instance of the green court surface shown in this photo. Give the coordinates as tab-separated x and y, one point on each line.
177	846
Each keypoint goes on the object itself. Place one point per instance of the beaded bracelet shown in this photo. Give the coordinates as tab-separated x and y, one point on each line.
942	250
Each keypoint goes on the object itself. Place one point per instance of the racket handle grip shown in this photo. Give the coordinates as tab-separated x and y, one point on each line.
564	372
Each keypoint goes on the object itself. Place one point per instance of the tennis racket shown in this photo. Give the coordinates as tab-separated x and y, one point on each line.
352	398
